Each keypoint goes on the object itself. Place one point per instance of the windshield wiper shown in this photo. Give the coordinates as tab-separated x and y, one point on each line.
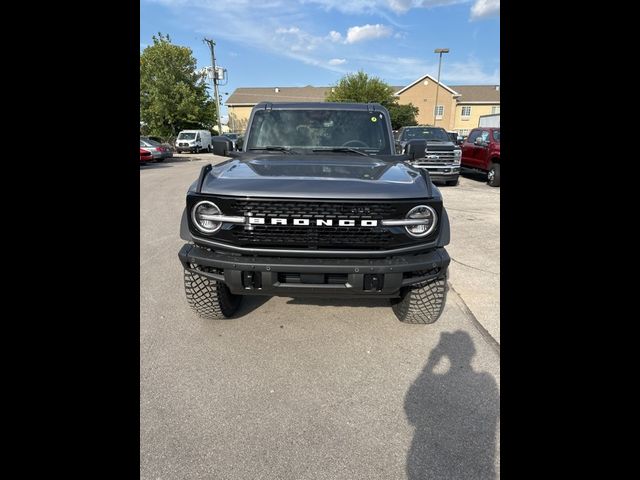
273	148
340	149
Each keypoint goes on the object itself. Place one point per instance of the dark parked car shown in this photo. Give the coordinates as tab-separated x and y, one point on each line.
442	155
318	203
145	156
481	151
159	152
167	143
234	139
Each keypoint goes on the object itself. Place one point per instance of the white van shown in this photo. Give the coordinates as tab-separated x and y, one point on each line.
194	141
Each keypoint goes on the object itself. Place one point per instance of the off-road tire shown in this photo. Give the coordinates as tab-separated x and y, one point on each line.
208	298
494	179
421	303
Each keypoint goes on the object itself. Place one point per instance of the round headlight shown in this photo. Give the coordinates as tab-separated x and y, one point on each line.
199	215
429	217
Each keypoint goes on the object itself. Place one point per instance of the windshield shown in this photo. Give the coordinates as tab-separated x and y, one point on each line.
186	136
429	134
496	135
232	136
320	129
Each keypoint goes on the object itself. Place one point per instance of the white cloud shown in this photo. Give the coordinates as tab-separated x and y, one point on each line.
396	70
288	30
291	33
485	8
378	6
335	36
400	6
367	32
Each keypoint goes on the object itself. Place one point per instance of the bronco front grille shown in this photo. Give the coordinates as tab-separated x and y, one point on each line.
344	210
313	237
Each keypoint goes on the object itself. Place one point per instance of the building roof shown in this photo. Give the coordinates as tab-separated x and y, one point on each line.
423	78
478	93
251	96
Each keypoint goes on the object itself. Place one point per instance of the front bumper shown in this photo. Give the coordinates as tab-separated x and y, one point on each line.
441	171
290	277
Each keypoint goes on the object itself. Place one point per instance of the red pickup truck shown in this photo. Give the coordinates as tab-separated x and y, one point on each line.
481	151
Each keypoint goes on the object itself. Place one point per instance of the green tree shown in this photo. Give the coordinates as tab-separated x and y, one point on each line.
360	87
402	115
173	96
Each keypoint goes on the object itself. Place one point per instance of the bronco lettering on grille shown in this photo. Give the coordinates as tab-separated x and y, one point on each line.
317	222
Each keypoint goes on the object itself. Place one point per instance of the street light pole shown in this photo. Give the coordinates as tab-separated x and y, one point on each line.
215	81
435	108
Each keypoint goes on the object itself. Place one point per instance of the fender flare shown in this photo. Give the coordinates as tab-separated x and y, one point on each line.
185	234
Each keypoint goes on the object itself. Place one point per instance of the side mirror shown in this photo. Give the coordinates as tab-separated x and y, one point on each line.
416	148
221	146
479	142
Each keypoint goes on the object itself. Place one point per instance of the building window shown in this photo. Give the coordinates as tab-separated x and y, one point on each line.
463	132
466	112
495	110
439	112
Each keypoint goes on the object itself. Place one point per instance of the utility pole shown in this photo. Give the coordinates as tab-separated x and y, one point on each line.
214	72
435	108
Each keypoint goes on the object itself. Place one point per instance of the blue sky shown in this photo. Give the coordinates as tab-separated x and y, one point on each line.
269	43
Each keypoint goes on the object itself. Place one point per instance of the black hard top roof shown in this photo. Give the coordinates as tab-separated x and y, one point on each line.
320	105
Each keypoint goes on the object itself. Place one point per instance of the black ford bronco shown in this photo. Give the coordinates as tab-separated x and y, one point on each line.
316	203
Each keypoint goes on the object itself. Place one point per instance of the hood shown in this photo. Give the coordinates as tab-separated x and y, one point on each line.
317	176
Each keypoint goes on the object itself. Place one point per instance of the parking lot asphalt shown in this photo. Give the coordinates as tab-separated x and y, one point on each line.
309	388
474	213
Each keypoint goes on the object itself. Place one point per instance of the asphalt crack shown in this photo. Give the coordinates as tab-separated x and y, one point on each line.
475	268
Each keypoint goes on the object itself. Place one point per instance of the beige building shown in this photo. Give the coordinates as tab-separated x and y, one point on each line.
422	94
242	100
474	101
459	107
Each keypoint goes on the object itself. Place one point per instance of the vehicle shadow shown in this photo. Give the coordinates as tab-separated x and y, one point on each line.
250	303
183	158
455	415
372	302
474	175
154	165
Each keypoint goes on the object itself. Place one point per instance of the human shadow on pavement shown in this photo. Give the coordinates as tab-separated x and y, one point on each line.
455	415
